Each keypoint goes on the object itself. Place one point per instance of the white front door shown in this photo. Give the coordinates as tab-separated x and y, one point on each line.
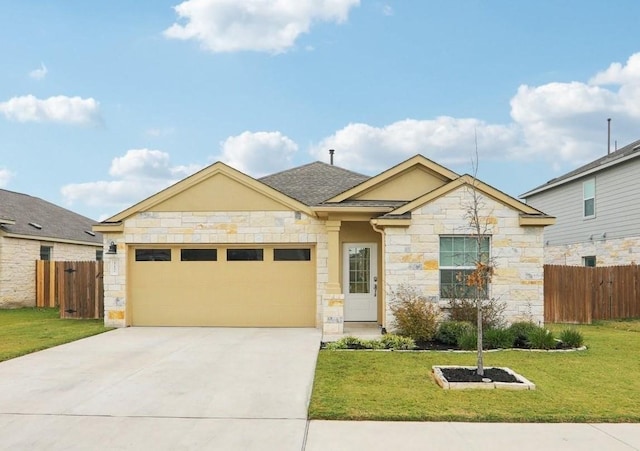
360	281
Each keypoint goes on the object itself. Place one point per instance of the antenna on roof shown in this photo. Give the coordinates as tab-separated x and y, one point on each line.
331	152
608	136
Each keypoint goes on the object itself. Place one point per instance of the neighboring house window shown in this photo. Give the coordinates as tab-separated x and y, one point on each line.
99	253
244	255
589	198
458	258
589	260
153	255
46	252
198	255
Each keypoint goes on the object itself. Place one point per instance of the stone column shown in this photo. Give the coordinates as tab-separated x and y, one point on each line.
333	299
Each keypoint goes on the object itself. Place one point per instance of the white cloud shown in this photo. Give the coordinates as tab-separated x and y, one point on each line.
39	73
562	124
59	109
618	74
5	176
260	25
387	10
137	174
258	153
446	140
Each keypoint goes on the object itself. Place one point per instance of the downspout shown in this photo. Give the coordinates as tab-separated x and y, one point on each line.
381	285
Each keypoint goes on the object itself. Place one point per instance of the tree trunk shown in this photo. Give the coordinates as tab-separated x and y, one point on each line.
480	362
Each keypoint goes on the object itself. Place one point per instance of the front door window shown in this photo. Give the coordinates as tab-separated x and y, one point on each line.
360	281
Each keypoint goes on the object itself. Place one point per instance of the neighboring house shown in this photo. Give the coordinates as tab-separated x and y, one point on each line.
315	245
598	211
33	229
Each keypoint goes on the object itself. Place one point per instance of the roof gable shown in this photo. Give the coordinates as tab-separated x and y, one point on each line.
29	216
621	155
471	182
215	188
404	181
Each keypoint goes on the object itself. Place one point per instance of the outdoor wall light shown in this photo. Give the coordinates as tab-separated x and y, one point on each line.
113	249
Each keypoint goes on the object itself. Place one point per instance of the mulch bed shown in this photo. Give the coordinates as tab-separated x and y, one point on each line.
470	375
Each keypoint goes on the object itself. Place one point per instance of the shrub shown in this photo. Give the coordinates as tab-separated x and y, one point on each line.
464	309
498	338
335	345
397	342
468	341
571	337
372	344
415	316
521	331
541	338
450	331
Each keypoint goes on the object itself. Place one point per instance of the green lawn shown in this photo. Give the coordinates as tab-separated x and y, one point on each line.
32	329
601	384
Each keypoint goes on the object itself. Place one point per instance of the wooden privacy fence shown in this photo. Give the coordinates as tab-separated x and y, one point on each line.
76	287
580	294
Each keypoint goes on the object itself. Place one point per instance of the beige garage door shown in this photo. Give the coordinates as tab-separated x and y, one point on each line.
242	286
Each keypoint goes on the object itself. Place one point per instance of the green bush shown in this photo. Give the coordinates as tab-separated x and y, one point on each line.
464	309
498	338
450	331
415	316
397	342
541	338
468	341
335	345
521	331
571	337
372	344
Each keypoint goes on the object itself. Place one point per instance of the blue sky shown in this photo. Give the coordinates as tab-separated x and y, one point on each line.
104	103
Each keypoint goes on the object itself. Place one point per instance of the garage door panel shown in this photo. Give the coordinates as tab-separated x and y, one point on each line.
223	293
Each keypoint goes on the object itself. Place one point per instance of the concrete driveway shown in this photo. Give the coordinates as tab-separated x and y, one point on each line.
162	388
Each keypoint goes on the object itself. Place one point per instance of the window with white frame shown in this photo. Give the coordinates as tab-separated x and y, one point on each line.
459	255
589	198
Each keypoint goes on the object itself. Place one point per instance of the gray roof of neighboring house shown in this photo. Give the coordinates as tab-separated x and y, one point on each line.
624	153
313	183
19	210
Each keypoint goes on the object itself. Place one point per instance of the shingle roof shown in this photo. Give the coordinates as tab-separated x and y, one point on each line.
313	183
54	221
632	149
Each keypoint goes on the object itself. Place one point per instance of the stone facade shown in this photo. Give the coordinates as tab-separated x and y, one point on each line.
412	254
17	267
608	252
244	227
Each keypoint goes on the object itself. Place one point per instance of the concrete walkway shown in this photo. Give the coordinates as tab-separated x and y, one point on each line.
224	389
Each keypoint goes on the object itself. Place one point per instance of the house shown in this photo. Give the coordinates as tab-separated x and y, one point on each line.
312	246
33	229
598	211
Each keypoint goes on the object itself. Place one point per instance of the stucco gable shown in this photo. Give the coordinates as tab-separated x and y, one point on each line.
405	181
215	188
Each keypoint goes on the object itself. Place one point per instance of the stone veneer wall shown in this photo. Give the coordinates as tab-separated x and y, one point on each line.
266	227
608	252
18	269
412	254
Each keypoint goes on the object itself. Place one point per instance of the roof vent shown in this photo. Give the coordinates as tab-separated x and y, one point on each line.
35	225
89	232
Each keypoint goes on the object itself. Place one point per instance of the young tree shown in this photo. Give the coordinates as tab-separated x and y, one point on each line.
481	276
